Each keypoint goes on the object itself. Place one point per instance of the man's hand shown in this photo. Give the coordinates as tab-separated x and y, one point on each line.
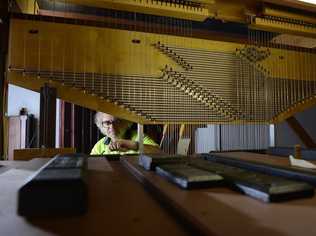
122	145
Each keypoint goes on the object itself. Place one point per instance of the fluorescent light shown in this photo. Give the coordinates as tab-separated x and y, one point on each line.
308	1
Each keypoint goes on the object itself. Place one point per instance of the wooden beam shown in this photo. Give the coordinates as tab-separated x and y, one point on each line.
30	153
66	131
301	132
75	96
4	35
177	10
294	4
131	25
298	107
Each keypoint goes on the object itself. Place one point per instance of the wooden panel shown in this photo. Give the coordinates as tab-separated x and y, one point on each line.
220	211
55	48
70	48
4	35
30	153
14	135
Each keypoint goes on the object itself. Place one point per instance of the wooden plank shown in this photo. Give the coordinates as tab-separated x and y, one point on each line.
209	208
257	157
4	35
14	135
301	132
188	177
30	153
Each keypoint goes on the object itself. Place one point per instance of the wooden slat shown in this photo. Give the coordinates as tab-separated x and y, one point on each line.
4	35
30	153
14	135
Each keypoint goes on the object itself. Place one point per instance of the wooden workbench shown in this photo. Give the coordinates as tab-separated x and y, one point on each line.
119	205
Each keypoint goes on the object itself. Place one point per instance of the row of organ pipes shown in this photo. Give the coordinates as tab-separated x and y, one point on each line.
153	69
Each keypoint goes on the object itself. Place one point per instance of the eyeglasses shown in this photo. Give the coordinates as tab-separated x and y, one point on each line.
108	123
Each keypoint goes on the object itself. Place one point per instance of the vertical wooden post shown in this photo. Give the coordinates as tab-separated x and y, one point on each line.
181	131
47	130
66	127
78	129
4	35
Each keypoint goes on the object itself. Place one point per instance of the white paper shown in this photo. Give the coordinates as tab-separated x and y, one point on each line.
301	163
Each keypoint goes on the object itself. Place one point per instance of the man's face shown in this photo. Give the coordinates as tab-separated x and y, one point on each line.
111	126
108	124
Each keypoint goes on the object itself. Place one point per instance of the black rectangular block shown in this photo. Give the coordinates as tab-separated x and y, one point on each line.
189	177
57	189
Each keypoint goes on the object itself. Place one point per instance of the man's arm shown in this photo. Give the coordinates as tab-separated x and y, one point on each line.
124	145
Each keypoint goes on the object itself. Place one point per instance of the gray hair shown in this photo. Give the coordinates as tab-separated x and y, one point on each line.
97	120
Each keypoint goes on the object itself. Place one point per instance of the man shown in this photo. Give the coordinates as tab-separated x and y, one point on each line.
119	138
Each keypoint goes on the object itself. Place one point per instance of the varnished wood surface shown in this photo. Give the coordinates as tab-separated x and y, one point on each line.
221	211
30	153
257	157
118	205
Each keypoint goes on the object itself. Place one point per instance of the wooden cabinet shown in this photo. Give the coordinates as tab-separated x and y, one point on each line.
22	133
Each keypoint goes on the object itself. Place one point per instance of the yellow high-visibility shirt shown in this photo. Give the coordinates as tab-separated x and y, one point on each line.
100	148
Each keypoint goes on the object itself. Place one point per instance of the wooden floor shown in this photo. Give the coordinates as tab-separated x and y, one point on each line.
118	205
